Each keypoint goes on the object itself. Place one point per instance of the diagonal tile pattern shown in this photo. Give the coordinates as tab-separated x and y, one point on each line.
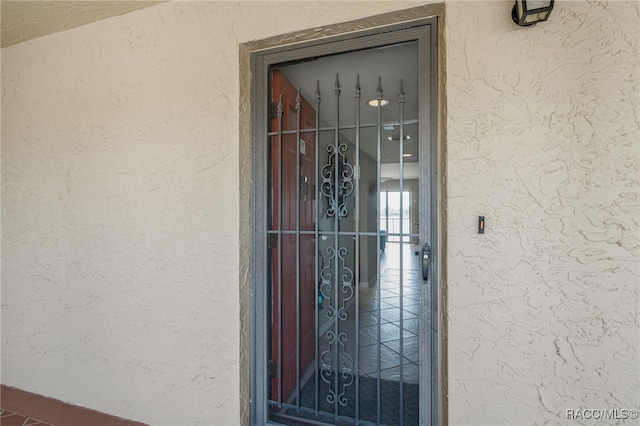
396	322
395	328
7	418
20	408
379	338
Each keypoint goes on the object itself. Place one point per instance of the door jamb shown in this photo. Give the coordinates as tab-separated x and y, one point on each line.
250	171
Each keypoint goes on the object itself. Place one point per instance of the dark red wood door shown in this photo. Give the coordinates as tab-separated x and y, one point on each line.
292	192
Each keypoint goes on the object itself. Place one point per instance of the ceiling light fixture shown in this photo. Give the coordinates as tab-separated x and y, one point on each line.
397	138
530	12
407	155
377	102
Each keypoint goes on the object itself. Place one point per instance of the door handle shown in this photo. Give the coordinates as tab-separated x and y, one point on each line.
304	183
425	261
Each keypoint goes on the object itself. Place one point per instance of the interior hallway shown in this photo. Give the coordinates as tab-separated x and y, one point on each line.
394	276
389	318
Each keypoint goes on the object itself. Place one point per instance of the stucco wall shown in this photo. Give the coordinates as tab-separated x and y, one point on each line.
543	140
120	209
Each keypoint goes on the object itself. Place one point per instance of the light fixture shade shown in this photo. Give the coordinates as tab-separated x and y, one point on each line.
377	102
530	12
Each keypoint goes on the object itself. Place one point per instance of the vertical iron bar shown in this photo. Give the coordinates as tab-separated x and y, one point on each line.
357	252
336	241
378	176
401	99
298	181
317	237
280	205
386	214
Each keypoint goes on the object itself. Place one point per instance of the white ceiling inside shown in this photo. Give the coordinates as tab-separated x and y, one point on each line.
392	64
22	20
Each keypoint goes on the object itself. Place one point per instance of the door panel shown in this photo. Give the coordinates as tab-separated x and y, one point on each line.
347	300
293	259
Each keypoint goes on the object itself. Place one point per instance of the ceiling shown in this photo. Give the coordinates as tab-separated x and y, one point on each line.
22	20
391	64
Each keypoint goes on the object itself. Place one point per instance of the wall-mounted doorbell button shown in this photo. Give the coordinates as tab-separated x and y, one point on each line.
480	224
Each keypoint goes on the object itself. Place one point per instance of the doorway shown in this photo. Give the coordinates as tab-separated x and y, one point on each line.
346	310
395	210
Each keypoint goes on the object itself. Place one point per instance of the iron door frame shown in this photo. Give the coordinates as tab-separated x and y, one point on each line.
425	31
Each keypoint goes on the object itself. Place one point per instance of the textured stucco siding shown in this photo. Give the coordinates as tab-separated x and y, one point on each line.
120	207
544	141
121	199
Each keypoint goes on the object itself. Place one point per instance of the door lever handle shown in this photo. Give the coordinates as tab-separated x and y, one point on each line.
304	183
425	261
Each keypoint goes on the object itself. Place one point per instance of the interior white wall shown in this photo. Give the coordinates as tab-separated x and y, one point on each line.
120	209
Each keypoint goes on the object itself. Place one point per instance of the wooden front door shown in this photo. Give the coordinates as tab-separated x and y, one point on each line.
293	263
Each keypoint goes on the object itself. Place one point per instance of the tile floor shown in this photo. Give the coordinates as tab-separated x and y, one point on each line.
388	319
7	418
395	325
20	408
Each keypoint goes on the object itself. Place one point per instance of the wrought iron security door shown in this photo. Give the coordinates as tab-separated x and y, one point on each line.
346	335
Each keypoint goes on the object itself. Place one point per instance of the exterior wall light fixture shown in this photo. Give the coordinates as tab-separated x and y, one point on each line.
530	12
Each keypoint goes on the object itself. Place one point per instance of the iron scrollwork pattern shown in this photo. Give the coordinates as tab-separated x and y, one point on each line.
343	366
337	188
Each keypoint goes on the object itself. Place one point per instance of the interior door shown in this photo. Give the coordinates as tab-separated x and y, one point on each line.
293	266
